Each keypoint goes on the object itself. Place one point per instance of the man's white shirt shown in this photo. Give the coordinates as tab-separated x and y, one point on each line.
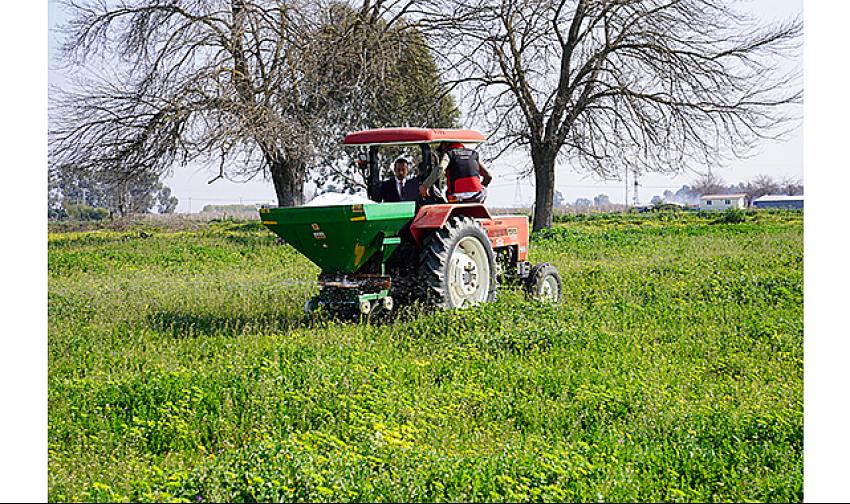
399	184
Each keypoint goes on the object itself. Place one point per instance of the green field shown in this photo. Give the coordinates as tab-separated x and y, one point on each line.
181	367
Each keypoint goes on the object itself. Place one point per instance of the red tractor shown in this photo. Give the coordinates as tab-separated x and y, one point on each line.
448	255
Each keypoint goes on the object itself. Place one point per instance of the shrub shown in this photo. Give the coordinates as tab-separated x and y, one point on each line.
85	212
731	216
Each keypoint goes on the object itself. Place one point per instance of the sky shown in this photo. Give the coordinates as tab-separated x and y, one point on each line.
780	160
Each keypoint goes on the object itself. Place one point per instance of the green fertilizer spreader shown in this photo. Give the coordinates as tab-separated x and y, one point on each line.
350	243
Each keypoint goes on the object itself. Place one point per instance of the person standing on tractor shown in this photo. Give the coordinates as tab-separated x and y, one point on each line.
464	173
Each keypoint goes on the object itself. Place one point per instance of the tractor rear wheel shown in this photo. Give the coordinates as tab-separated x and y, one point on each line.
457	265
544	283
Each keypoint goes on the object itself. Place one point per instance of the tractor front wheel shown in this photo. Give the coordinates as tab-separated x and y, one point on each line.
544	283
457	265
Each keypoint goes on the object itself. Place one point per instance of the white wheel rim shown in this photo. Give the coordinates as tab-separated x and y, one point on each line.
549	288
365	307
468	273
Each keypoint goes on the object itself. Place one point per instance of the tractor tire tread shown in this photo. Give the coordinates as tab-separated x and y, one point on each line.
537	274
435	255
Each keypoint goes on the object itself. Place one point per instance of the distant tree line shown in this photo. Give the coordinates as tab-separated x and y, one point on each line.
79	194
229	209
599	201
689	194
713	184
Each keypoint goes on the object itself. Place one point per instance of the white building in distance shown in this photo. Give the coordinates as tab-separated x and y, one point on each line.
722	201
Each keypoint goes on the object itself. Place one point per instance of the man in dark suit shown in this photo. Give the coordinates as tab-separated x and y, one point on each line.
399	187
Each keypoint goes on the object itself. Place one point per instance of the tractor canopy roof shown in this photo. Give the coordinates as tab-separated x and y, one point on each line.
394	136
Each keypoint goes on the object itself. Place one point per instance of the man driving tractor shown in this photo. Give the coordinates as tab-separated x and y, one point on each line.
463	171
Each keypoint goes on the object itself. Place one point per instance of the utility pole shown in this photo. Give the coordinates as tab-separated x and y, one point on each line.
518	201
637	201
626	199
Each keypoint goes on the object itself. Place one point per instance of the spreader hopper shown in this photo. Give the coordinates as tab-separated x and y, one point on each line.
340	238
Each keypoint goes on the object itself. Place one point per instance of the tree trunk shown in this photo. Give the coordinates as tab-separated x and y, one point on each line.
288	178
544	191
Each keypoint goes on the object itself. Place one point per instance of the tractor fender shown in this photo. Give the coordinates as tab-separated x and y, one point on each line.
432	217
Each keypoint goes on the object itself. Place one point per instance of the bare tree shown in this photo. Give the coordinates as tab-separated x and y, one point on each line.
761	185
708	183
610	85
765	184
251	85
791	186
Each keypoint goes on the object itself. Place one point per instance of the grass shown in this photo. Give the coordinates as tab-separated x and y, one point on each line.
181	368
